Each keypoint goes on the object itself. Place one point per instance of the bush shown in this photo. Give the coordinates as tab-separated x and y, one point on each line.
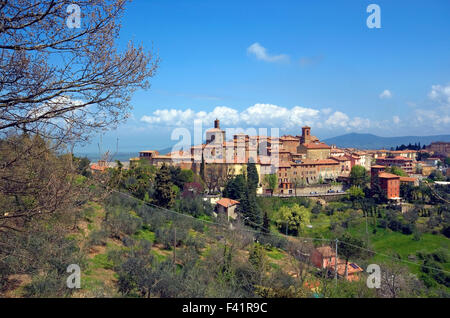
273	240
119	221
408	228
166	236
97	237
52	284
446	231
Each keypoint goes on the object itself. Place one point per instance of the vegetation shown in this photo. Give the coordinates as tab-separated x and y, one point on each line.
359	176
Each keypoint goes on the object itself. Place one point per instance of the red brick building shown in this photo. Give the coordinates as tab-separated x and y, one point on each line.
389	183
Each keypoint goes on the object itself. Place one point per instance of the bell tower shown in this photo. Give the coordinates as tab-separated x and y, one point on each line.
306	134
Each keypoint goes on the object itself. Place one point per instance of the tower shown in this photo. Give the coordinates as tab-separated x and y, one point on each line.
217	124
306	135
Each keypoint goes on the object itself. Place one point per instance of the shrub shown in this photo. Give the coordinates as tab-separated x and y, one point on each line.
119	221
98	237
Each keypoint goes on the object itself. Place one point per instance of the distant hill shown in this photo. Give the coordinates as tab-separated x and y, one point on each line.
369	141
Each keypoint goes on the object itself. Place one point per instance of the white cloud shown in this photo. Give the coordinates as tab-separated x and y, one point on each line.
386	94
432	117
440	94
258	115
396	120
337	119
260	53
326	111
359	123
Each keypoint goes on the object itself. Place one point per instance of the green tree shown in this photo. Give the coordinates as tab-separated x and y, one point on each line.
355	193
296	218
348	248
447	161
249	209
258	261
252	176
235	188
266	224
202	167
359	176
164	194
436	175
271	182
397	171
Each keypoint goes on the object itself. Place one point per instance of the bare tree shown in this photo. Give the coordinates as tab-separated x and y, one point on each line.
215	176
58	86
397	281
65	83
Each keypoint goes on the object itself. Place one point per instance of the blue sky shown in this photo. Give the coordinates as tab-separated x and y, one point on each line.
288	63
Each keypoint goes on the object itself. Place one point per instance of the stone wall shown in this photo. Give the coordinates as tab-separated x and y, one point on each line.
320	188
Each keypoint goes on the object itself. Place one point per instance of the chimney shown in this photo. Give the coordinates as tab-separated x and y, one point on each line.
217	124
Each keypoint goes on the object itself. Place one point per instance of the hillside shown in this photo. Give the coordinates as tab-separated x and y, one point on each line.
370	141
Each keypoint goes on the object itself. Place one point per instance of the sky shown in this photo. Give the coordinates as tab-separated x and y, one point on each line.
284	64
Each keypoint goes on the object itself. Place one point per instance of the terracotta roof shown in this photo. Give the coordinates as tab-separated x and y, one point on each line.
97	167
317	146
387	175
284	164
407	179
225	202
342	158
318	162
289	138
326	162
378	166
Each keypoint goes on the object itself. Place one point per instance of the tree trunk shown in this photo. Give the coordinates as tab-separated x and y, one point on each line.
346	269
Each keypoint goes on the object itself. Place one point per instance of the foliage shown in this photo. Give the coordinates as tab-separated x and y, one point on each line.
120	222
271	181
355	193
359	176
164	195
194	205
296	218
252	176
397	171
436	175
235	188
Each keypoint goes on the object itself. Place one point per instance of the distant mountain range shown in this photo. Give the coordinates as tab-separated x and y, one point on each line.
369	141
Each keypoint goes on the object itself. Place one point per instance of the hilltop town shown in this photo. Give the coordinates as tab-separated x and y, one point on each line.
299	162
239	210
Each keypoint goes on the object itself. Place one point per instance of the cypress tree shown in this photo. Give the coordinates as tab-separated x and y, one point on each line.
266	224
252	176
202	167
164	194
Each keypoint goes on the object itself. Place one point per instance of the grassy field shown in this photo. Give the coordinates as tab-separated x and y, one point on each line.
385	241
